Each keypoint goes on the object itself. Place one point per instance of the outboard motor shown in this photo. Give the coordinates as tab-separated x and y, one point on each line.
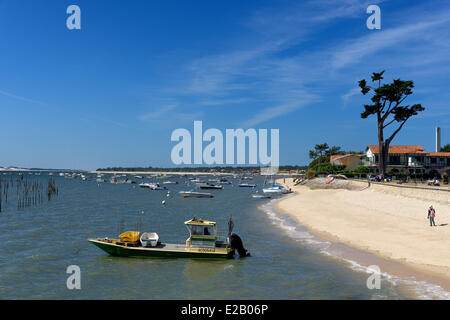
236	244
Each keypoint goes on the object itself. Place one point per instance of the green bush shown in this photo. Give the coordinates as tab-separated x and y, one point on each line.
361	170
327	168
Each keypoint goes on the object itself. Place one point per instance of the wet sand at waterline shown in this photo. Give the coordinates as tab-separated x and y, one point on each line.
390	223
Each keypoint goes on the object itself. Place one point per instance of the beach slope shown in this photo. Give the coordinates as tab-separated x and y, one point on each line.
387	221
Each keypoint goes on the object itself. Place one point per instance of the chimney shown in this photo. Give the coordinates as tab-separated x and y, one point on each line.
438	139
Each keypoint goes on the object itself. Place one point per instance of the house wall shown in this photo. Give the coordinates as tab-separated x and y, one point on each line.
415	163
350	163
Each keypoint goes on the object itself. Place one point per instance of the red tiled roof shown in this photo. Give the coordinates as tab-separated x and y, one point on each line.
334	157
339	156
399	149
438	154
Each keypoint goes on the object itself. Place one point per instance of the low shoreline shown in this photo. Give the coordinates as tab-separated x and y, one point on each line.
376	226
158	173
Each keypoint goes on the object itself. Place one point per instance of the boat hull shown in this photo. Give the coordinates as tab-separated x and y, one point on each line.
168	251
195	195
276	191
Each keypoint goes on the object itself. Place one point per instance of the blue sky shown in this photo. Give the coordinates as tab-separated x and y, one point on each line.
111	93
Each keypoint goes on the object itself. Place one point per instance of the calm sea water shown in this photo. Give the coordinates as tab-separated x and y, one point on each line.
38	244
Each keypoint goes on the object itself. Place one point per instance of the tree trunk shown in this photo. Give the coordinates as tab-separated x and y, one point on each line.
383	152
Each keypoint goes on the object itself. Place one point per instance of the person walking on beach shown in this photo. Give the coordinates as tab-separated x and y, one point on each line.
431	215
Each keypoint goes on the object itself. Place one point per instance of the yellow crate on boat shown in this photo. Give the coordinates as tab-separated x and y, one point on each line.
129	236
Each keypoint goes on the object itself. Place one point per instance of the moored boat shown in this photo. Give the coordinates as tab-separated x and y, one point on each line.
170	182
224	181
202	242
152	186
247	185
209	186
275	188
260	196
193	194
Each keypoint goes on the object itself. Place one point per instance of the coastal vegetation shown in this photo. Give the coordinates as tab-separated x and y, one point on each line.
321	161
387	105
445	148
363	172
321	153
320	165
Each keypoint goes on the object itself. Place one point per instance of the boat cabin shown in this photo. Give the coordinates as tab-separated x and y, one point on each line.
201	233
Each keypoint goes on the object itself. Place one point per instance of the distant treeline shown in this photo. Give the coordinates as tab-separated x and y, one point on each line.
199	169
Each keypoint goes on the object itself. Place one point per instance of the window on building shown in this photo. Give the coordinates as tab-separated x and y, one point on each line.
433	160
394	159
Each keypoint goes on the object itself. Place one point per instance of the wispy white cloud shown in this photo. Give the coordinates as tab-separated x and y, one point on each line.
169	113
10	95
216	102
53	107
279	110
413	32
275	72
280	84
96	120
158	113
353	92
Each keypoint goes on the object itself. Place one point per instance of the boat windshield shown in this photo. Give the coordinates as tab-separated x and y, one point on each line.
202	230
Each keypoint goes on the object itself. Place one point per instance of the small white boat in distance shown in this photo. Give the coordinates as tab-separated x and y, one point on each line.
247	185
209	186
113	180
149	239
276	189
170	182
260	196
193	194
152	186
224	181
145	185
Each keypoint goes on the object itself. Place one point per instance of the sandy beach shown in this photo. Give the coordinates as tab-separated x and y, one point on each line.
388	222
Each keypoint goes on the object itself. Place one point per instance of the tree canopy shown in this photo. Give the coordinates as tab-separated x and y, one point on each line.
445	148
387	105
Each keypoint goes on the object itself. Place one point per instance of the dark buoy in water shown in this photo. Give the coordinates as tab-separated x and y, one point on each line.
236	244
